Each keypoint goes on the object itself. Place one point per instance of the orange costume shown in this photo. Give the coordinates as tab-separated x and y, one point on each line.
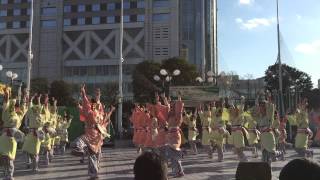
162	113
148	143
138	123
175	120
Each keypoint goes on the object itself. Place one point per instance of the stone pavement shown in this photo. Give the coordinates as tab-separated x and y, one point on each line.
117	164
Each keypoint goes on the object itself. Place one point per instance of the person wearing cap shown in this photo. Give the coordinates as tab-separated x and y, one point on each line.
303	132
173	139
34	122
237	129
12	115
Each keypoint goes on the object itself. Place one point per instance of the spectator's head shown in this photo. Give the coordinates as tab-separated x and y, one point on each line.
300	169
150	166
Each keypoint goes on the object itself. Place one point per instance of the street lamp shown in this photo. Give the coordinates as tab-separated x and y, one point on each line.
166	76
12	76
210	78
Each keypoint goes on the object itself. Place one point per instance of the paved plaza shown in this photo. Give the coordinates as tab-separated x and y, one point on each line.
117	164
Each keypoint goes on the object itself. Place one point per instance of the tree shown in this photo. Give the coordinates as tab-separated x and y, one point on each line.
314	99
143	83
39	85
109	94
144	86
292	78
62	92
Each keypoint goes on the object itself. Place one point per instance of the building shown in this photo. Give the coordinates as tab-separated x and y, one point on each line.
77	40
319	84
198	38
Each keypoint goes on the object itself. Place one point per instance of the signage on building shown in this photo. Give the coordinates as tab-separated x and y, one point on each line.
194	95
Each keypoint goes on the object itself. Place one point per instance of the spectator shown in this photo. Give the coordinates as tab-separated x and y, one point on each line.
148	166
300	169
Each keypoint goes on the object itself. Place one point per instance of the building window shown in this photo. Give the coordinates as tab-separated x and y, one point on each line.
140	18
16	12
81	21
81	8
48	23
103	20
23	24
95	20
161	3
24	12
88	20
3	13
126	18
74	21
160	17
9	25
95	7
28	11
110	19
103	7
67	22
49	11
28	24
133	4
140	4
4	1
16	24
88	8
3	25
111	6
17	1
126	5
67	8
133	18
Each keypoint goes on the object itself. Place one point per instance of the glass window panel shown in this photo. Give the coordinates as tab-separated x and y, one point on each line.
67	22
16	24
50	11
111	6
81	8
81	21
161	3
126	5
3	13
16	12
160	17
4	1
140	18
95	20
140	4
17	1
110	19
48	23
96	7
126	18
28	11
3	25
67	8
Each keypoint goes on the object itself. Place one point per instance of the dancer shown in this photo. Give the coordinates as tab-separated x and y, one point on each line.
136	120
254	133
32	143
205	117
268	143
303	132
62	131
237	135
173	139
90	143
50	115
12	114
191	121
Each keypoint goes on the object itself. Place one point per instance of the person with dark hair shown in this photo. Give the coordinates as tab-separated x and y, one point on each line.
300	169
150	165
205	117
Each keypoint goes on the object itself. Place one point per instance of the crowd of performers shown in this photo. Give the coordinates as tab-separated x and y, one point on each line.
44	130
157	127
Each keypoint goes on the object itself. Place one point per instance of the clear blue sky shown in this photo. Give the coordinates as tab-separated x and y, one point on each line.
248	39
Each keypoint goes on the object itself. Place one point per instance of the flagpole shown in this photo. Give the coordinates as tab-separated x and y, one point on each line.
120	74
30	55
281	104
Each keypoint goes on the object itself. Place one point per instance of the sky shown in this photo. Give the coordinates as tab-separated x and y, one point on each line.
247	36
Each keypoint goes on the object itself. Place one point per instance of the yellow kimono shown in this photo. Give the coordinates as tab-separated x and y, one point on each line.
253	133
32	142
218	127
205	122
50	127
301	141
237	122
12	121
192	127
268	141
62	129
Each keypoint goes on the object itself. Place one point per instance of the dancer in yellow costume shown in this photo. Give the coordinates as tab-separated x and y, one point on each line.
205	116
218	130
62	130
50	115
303	132
253	132
34	124
268	142
237	122
12	115
191	121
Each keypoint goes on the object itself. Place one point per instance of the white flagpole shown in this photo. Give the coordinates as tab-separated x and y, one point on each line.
120	74
30	55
